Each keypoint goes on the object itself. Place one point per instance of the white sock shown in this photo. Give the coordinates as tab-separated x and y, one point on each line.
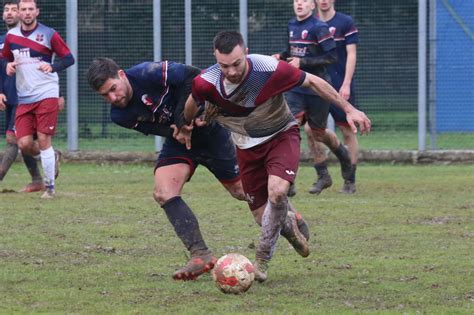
47	161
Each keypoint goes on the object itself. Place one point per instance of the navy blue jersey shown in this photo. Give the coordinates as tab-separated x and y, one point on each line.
311	40
345	33
7	83
159	94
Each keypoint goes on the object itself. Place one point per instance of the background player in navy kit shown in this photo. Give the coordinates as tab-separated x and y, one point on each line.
149	98
311	48
8	103
245	94
30	49
346	37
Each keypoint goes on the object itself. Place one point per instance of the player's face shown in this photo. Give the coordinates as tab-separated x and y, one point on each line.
325	5
117	91
303	8
233	65
10	15
28	13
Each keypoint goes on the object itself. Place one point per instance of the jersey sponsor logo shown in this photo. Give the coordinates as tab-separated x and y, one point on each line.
304	34
148	101
291	33
332	30
39	37
298	51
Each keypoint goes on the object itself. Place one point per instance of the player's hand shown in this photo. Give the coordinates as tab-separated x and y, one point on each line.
356	118
294	61
3	102
61	103
45	67
200	121
11	68
276	56
345	91
183	135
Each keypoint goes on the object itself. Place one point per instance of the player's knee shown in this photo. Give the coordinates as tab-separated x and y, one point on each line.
25	146
319	134
160	196
11	139
277	194
237	192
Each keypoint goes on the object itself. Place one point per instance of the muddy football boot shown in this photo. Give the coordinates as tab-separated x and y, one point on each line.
260	270
49	193
294	235
195	267
324	181
302	226
348	187
33	187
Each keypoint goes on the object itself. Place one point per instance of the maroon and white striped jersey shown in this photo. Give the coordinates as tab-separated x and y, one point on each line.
256	108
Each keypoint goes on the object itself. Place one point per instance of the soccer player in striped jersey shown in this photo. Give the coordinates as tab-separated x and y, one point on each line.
346	37
244	94
30	49
311	48
8	103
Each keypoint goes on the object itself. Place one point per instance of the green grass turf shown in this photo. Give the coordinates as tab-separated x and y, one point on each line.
403	243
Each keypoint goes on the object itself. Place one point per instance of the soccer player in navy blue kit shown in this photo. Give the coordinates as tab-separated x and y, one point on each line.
149	98
311	48
8	103
346	37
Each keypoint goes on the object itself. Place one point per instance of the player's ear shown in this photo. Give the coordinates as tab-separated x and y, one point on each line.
121	74
246	50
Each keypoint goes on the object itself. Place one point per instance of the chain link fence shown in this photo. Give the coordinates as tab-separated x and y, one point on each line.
387	66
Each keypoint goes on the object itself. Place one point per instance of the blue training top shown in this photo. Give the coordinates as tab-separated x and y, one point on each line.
7	83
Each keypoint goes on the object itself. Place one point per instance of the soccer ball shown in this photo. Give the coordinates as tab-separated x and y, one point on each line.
233	273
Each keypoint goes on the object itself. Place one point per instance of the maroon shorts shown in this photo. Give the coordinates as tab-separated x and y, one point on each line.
280	157
35	117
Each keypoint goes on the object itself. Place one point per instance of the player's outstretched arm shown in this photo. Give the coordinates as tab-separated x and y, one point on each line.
354	116
183	134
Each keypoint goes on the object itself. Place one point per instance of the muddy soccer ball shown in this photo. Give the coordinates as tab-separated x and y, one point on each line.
233	273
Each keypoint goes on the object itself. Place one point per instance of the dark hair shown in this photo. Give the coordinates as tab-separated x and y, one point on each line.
5	2
100	70
226	41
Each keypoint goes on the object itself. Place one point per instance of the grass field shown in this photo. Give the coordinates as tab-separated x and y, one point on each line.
403	244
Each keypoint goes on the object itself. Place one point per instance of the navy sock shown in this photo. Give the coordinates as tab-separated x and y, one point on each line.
185	224
321	168
32	166
342	153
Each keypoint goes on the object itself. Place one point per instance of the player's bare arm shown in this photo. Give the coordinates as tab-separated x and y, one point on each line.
354	116
345	90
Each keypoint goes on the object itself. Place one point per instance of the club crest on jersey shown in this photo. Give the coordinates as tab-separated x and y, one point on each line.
332	30
148	101
39	37
304	34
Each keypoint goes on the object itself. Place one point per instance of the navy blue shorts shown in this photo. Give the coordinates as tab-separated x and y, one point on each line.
309	107
338	114
10	119
210	146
